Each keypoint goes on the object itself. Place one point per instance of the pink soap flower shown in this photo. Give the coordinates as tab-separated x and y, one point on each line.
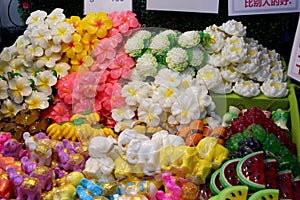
124	21
60	112
104	50
87	104
65	86
121	67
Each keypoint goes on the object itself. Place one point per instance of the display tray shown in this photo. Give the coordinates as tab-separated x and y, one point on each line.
288	103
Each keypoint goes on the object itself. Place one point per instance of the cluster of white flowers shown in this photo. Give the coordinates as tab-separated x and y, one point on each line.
171	101
166	48
228	62
242	65
30	67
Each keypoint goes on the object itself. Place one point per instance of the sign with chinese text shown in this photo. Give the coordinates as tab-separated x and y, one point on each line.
253	7
294	64
106	6
200	6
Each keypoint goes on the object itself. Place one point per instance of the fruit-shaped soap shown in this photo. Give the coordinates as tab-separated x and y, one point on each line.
238	192
215	183
228	174
271	173
285	184
296	186
250	170
266	194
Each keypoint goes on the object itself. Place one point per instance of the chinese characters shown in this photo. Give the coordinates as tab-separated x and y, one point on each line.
266	3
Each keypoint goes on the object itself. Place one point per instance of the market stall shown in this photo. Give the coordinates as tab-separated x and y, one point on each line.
103	106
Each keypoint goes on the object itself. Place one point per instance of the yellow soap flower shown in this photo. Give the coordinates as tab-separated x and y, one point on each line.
97	23
89	41
81	60
74	47
76	22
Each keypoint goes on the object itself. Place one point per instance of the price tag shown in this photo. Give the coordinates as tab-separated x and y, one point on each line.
294	64
254	7
107	6
200	6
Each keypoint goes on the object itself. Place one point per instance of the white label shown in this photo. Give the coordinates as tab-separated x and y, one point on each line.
294	64
201	6
253	7
107	6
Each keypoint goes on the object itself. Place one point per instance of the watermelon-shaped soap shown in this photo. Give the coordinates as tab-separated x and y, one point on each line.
250	170
285	184
215	183
271	173
296	187
238	192
228	175
266	194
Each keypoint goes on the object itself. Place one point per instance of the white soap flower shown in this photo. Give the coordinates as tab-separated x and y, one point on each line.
135	92
169	32
177	59
234	50
274	89
189	71
264	59
187	81
196	56
276	63
189	39
146	66
246	88
185	109
159	44
217	41
142	34
230	74
223	88
252	51
261	74
251	42
165	96
149	112
204	99
168	78
134	46
277	73
250	65
233	27
209	76
217	60
273	55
